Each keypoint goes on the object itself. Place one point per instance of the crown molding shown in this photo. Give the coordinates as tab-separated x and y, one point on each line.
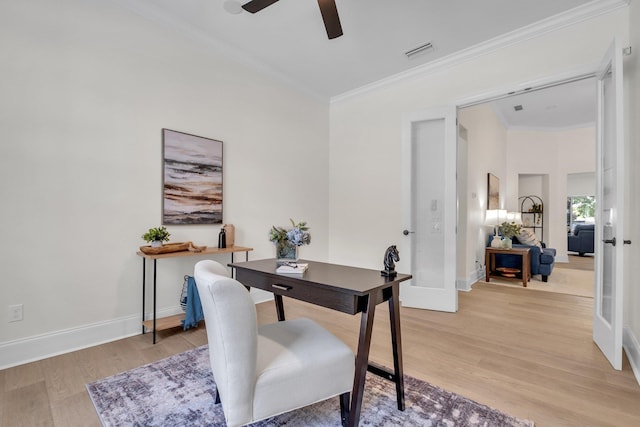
573	16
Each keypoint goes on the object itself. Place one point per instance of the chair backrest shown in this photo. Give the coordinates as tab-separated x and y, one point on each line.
213	267
232	332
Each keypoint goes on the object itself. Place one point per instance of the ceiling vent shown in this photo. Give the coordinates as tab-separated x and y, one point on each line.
417	50
517	107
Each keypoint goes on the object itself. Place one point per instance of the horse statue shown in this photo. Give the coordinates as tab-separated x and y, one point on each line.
390	256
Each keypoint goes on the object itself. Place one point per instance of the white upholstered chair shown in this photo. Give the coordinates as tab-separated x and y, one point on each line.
262	371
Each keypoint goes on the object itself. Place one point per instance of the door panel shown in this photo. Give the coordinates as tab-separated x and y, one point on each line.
429	206
607	315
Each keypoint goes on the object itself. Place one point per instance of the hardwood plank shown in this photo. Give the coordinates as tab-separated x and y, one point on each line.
528	353
26	406
69	411
21	376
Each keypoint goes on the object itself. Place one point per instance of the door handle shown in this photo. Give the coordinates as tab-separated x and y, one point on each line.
612	241
626	242
406	232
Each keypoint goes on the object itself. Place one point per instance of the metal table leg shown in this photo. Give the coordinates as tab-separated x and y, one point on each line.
154	300
144	285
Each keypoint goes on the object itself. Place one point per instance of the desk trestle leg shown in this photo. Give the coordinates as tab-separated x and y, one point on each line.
362	360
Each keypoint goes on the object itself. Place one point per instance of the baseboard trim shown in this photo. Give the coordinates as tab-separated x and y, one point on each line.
632	348
31	349
465	284
38	347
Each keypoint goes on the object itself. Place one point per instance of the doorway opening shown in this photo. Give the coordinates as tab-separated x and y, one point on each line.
532	141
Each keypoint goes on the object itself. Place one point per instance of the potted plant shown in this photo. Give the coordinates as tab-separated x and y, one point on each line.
287	241
156	236
508	231
536	208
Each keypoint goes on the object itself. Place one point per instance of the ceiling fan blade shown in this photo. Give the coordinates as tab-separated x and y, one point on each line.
257	5
330	17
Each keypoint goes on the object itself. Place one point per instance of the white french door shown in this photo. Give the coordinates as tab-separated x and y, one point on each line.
429	209
608	303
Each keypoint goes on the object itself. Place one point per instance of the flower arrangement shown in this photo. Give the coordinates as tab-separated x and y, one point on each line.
510	229
288	240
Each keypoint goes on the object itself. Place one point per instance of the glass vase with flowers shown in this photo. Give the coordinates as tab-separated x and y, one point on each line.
509	230
287	241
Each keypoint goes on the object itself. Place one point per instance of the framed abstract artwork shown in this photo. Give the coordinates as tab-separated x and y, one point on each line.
191	179
493	192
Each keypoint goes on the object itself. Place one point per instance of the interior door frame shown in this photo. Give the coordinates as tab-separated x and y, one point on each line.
530	85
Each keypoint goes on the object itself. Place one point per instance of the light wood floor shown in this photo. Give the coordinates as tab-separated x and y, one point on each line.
527	353
577	262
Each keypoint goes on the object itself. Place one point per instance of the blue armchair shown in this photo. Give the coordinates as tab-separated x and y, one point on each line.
581	239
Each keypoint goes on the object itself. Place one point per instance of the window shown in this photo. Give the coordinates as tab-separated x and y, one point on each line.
580	210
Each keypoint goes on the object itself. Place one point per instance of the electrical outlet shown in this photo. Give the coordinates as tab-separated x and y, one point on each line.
15	313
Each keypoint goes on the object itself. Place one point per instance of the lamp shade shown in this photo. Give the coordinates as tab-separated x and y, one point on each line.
495	217
514	217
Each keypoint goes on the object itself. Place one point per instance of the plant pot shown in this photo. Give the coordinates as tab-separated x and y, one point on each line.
156	243
507	243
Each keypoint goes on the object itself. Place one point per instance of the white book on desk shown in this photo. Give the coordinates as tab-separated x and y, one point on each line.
292	268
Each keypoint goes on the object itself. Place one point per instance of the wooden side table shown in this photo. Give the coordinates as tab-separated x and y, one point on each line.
174	321
490	263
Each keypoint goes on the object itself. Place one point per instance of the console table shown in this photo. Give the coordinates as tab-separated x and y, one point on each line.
342	288
173	321
490	263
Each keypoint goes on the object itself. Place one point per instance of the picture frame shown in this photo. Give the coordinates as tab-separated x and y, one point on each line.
191	179
493	192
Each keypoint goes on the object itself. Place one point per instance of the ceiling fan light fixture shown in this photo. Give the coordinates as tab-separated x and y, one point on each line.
233	7
328	10
417	50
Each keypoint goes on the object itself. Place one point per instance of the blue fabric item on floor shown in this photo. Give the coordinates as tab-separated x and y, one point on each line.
194	313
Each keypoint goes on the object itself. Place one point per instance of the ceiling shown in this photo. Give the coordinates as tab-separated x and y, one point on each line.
288	38
566	106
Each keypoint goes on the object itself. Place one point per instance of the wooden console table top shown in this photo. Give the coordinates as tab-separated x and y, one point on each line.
207	251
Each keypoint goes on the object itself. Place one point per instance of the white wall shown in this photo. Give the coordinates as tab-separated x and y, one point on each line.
521	159
366	205
581	184
86	89
487	141
553	155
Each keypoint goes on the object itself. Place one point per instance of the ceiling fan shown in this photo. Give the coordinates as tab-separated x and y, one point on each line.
327	9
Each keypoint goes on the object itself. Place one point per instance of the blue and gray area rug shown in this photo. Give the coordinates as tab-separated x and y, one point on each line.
179	391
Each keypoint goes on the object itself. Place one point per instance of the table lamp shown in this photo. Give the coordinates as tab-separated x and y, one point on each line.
514	217
494	218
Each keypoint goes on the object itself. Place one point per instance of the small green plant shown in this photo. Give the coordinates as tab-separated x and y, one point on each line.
510	229
156	234
537	208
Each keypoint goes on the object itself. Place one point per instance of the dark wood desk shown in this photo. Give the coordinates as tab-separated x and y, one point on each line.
350	290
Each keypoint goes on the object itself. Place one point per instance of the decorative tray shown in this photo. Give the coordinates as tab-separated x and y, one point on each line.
172	247
508	270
